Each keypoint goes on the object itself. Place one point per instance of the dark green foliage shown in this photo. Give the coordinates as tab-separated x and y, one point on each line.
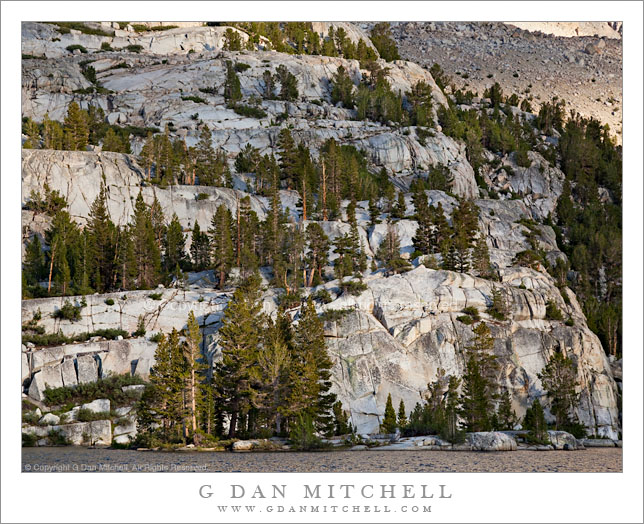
559	380
420	102
402	414
499	309
383	41
74	47
156	296
108	387
535	422
29	440
56	438
232	40
354	287
341	420
465	319
195	99
232	86
505	415
68	311
64	28
87	415
109	301
333	315
342	88
302	435
249	111
479	381
388	424
134	48
288	84
553	312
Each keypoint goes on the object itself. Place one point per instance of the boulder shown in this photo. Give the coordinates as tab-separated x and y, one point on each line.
37	387
87	369
126	425
491	441
136	388
562	440
101	405
68	373
243	445
596	443
49	419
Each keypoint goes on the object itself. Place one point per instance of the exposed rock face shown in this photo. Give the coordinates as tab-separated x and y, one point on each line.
491	441
572	29
96	433
404	329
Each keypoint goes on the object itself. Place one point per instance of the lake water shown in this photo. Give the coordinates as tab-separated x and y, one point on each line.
77	459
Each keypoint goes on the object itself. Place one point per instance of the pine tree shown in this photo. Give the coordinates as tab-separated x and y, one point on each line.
174	245
199	249
342	88
196	377
288	158
288	84
53	134
221	243
388	424
102	243
559	380
311	371
232	86
318	244
374	213
423	238
273	368
146	251
479	381
450	430
34	264
402	414
389	252
535	422
269	85
341	419
239	338
506	416
76	128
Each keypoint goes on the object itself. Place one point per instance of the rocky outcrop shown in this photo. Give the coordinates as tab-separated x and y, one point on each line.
96	433
563	440
491	441
404	328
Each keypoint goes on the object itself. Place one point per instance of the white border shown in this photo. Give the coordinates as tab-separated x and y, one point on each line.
171	498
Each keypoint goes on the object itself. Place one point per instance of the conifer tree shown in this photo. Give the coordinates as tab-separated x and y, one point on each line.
389	252
76	128
102	242
200	249
175	242
239	339
269	85
479	381
221	243
232	86
341	418
318	244
402	414
273	369
52	133
450	429
288	84
146	251
196	377
342	88
34	264
506	416
559	380
388	424
535	422
311	371
423	238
